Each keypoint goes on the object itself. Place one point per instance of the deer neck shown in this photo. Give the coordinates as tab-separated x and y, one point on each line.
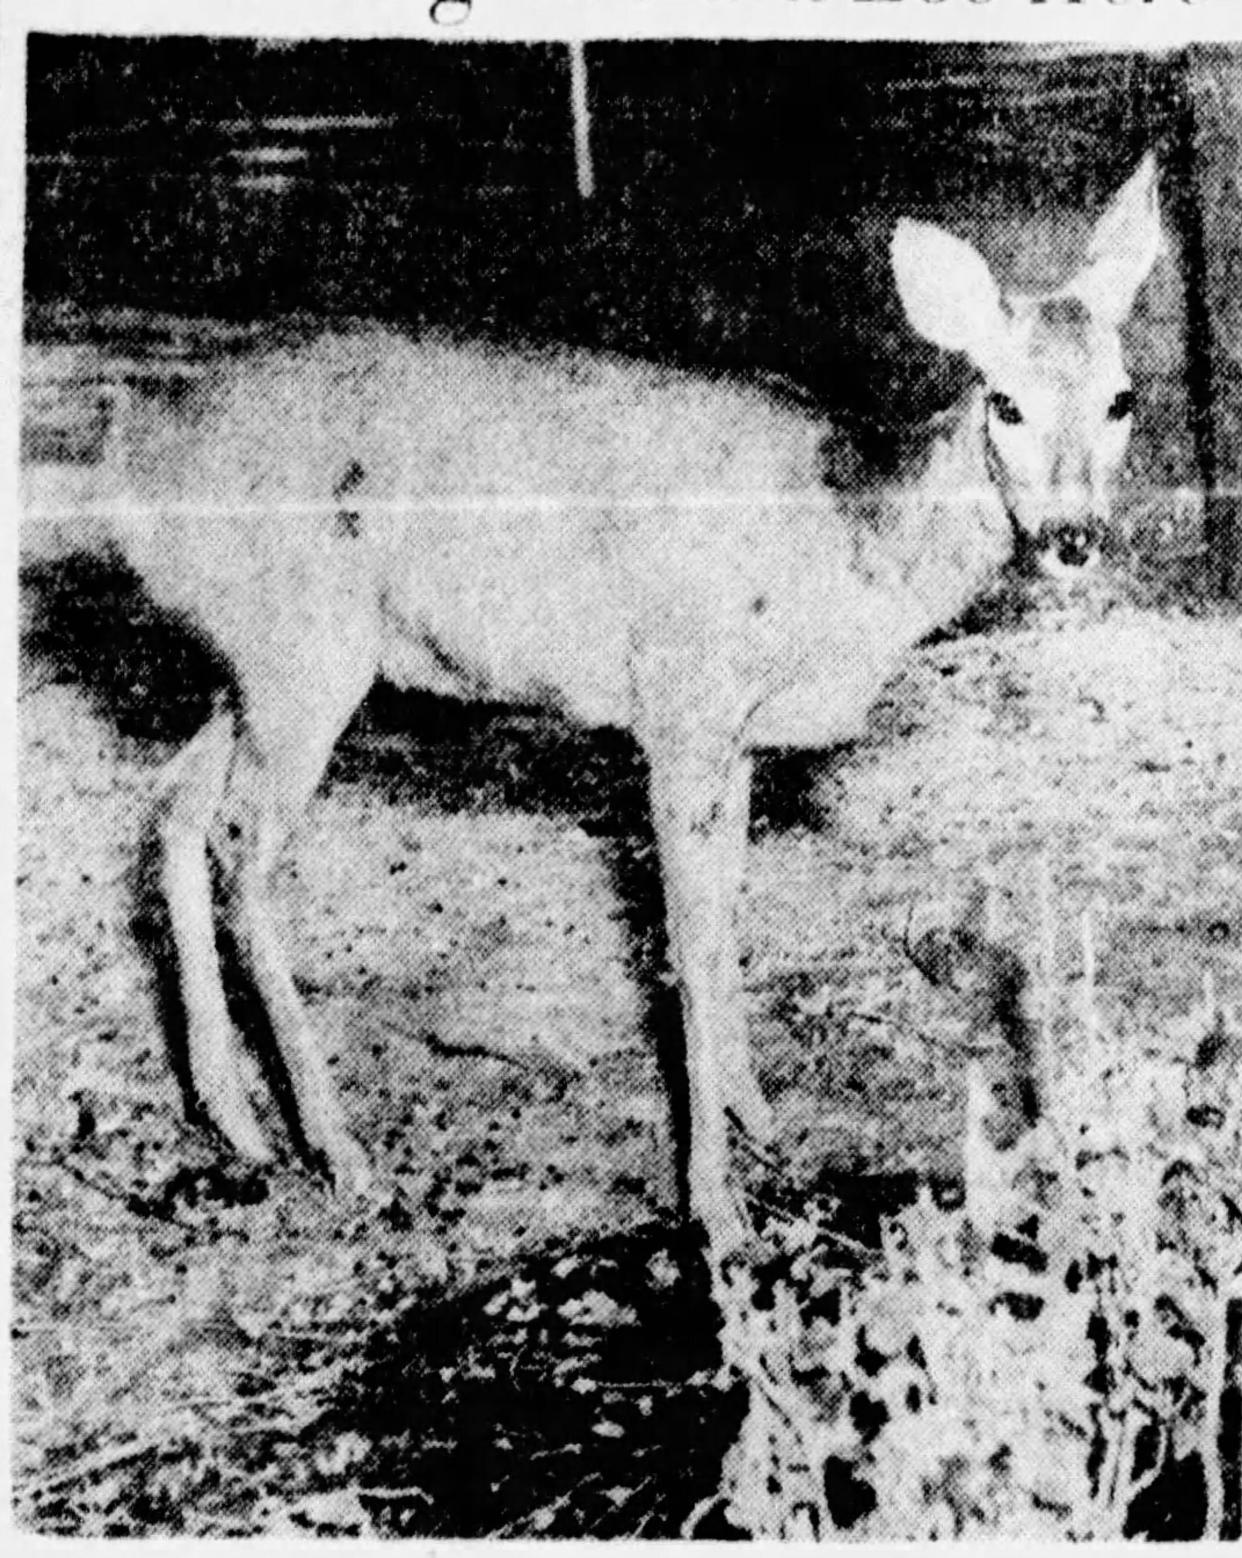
943	530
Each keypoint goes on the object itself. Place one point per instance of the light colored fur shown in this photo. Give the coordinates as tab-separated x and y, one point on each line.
638	547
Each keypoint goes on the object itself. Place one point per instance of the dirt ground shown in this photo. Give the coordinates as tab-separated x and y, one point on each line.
502	1338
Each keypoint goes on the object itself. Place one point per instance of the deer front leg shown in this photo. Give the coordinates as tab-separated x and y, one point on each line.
700	800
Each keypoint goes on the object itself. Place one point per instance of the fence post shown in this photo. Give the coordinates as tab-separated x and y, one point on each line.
1207	172
582	119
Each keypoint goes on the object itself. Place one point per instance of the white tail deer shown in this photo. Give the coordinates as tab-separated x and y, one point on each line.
639	547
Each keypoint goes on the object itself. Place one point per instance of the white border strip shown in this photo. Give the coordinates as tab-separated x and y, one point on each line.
1127	24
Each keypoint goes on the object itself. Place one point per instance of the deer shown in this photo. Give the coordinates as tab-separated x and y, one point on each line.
632	545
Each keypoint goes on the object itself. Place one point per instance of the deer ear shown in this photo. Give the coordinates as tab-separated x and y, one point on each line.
1123	247
947	290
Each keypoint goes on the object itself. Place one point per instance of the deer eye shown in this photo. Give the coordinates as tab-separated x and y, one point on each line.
1007	410
1122	406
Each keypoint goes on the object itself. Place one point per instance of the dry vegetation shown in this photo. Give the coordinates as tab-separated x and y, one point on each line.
508	1337
1050	1360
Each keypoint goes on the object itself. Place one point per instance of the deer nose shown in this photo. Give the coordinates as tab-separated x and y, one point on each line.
1075	545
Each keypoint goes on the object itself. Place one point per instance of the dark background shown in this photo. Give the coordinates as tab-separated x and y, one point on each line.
744	190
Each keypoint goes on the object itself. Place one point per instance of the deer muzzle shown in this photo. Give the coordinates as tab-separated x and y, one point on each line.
1073	547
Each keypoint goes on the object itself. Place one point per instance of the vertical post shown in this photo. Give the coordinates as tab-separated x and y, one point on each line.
1207	175
582	119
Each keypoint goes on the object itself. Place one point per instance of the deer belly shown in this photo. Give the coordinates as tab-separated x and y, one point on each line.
540	642
827	704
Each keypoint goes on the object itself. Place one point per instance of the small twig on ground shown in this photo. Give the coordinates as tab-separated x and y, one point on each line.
701	1510
660	1499
1141	1484
514	1526
139	1206
92	1466
409	1491
767	1157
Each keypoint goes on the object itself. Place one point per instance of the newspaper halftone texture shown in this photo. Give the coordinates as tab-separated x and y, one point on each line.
629	819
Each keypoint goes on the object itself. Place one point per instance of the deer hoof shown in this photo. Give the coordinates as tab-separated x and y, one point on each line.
347	1165
237	1125
720	1211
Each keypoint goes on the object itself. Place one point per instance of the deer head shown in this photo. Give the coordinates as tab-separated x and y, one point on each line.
1059	403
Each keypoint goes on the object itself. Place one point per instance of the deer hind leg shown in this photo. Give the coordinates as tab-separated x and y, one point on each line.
287	735
701	806
195	787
